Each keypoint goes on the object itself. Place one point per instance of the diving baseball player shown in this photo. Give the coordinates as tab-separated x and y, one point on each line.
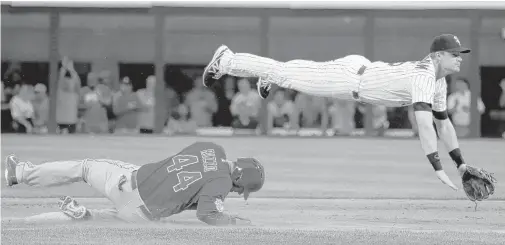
354	77
197	178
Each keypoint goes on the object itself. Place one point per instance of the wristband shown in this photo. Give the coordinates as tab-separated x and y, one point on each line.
456	157
435	160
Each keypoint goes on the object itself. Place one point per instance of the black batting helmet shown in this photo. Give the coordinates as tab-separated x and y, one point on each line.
249	174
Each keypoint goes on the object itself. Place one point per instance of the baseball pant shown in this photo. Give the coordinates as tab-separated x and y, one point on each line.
103	175
336	78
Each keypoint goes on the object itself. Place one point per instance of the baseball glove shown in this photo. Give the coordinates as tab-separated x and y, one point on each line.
478	183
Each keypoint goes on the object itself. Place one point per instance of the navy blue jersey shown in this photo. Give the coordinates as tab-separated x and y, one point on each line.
198	177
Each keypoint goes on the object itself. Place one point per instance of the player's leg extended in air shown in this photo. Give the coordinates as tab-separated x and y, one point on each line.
336	78
111	178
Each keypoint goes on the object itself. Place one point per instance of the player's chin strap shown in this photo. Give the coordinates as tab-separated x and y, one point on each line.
236	175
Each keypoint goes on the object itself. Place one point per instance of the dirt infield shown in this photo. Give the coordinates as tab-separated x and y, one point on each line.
318	191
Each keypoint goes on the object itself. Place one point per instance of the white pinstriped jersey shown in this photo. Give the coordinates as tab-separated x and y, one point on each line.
388	84
403	83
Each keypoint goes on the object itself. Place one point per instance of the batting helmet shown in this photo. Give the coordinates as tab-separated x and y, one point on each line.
249	174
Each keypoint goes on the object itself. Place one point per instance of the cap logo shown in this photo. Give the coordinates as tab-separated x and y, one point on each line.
457	40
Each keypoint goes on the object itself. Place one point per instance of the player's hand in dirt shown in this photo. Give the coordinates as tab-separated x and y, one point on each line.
239	221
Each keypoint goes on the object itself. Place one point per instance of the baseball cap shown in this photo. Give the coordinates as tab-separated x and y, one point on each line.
126	80
449	43
40	88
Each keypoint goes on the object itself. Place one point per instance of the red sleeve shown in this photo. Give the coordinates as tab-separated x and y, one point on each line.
211	202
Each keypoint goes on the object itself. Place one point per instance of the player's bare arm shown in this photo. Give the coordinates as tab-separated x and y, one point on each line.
448	136
428	138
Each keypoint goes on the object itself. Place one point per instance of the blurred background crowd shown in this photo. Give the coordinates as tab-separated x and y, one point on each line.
89	102
94	99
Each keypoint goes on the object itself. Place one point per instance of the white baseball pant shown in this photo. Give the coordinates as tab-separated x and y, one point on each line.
335	78
103	175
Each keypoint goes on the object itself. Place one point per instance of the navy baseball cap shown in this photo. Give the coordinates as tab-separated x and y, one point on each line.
449	43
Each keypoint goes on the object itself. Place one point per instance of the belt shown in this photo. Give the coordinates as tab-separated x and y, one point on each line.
361	70
355	94
143	207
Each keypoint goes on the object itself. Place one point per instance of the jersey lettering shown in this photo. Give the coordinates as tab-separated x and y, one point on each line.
185	178
209	160
396	63
180	161
423	65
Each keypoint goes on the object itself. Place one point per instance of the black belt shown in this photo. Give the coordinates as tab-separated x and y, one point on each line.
361	70
143	208
355	94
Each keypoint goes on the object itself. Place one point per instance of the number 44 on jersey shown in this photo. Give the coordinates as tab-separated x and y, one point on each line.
185	178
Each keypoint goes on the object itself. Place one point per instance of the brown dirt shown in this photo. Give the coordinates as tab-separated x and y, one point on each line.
318	191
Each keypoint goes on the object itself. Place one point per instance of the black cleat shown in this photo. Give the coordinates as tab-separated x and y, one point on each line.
263	88
212	72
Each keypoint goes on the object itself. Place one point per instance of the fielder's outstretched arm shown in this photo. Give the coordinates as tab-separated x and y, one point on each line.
445	128
448	135
428	92
428	138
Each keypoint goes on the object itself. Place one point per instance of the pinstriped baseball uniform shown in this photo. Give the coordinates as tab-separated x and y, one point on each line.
350	77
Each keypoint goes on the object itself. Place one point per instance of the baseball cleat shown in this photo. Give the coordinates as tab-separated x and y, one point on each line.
212	72
71	208
263	88
11	162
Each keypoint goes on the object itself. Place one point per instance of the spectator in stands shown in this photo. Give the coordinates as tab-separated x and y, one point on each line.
281	112
225	94
172	101
2	93
380	121
13	79
22	109
126	105
501	105
245	106
67	105
458	106
501	101
107	90
95	115
6	111
147	100
342	116
202	103
41	108
311	111
181	122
